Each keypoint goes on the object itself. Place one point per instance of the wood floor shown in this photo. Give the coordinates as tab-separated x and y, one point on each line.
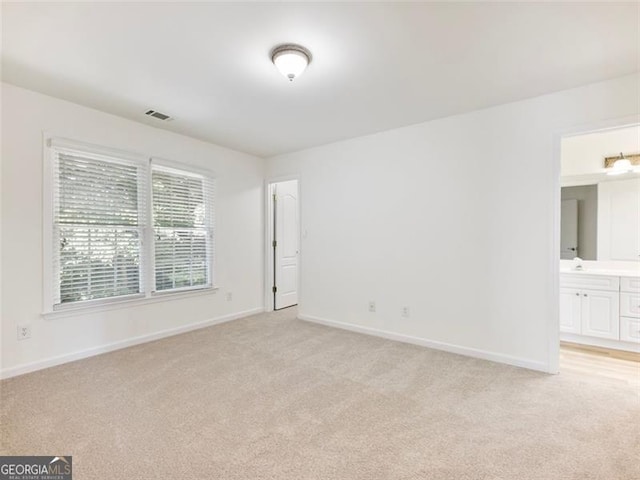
604	364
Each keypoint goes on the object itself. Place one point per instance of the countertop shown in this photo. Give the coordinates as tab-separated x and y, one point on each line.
607	272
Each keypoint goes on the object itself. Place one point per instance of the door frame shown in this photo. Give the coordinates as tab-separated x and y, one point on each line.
553	325
268	238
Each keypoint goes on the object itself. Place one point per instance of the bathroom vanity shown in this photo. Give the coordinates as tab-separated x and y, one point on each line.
600	307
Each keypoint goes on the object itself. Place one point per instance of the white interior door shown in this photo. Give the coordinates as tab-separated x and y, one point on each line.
569	229
286	248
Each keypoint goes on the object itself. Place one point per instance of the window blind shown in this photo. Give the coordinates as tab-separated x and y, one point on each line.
98	221
183	229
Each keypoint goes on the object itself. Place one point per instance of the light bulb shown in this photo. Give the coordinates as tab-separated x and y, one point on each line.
620	166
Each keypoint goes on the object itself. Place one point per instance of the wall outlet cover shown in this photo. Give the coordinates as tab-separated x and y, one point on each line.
405	312
24	331
372	306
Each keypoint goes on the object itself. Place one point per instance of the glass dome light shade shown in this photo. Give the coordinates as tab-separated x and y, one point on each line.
291	61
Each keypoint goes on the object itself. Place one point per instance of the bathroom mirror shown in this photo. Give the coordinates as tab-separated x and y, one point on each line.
579	222
600	212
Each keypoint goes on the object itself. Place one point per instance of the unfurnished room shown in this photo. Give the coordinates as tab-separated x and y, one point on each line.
320	240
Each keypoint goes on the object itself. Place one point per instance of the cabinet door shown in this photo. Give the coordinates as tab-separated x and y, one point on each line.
601	314
570	302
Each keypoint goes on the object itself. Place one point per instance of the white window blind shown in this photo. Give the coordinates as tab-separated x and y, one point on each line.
98	221
183	229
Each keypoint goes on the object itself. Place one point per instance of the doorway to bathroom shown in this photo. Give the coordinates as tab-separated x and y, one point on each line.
599	251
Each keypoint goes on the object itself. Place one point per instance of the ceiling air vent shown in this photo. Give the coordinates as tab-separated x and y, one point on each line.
158	115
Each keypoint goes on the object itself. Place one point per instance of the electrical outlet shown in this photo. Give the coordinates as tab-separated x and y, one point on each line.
405	312
24	331
229	296
372	306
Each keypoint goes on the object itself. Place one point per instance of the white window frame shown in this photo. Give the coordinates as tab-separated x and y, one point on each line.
147	253
181	169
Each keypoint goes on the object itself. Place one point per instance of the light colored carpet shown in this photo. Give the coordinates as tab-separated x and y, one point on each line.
272	397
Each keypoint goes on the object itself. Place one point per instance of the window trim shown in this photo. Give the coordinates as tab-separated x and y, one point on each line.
117	303
147	271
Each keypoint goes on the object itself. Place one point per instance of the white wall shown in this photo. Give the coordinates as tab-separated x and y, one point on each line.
619	221
239	220
454	218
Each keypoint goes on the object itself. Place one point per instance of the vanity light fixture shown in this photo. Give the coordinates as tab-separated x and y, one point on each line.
291	60
620	165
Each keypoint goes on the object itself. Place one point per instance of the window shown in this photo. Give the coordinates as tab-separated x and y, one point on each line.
97	226
181	226
109	242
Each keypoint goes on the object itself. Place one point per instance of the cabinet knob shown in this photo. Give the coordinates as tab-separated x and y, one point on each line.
577	294
584	294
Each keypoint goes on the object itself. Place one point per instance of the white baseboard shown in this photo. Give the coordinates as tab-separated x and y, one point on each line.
600	342
129	342
423	342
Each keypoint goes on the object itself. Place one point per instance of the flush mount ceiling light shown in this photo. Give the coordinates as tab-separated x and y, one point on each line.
621	164
291	60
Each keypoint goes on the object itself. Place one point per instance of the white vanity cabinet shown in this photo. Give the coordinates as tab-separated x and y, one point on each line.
596	307
590	305
600	317
630	309
570	310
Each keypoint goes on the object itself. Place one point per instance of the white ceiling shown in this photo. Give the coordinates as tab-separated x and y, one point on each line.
375	67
